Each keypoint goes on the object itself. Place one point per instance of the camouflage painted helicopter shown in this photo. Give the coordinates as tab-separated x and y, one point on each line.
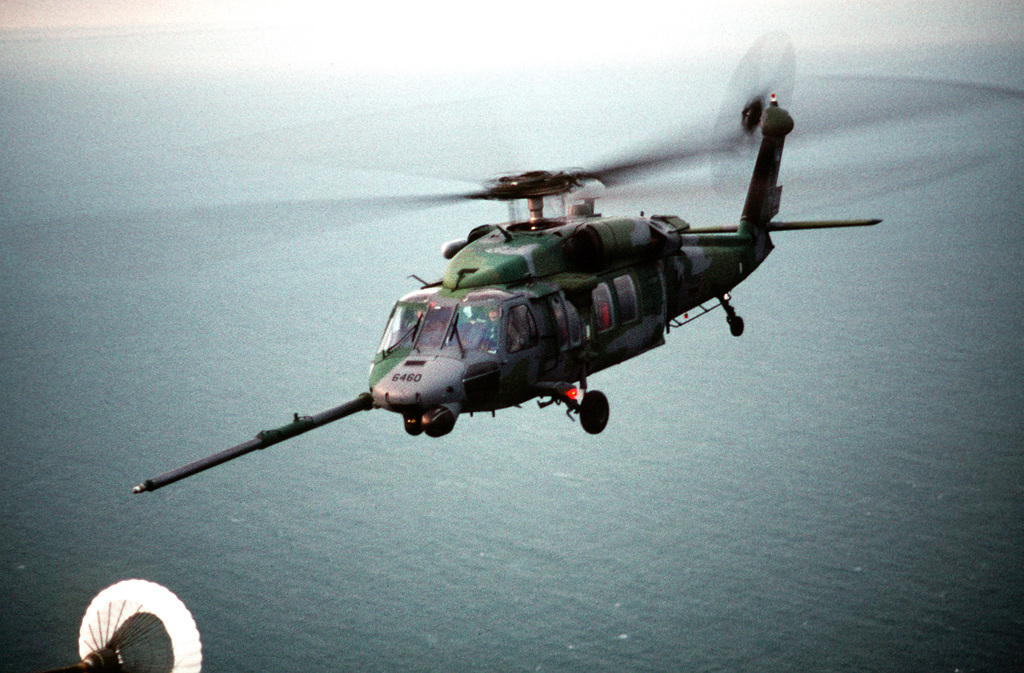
531	309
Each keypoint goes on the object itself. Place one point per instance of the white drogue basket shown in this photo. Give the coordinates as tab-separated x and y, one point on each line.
148	628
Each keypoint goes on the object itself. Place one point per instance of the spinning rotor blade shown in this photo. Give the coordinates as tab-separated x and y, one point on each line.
846	102
825	105
841	103
405	202
670	155
766	69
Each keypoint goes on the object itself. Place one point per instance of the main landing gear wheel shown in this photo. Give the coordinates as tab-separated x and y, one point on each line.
594	411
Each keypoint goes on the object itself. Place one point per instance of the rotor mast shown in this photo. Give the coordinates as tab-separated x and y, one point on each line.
536	206
533	186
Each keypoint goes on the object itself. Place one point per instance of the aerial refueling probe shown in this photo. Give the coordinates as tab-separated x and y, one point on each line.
262	440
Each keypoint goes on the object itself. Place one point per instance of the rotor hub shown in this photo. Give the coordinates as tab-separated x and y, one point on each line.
531	185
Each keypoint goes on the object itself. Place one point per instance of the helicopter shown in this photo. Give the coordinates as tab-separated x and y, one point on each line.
532	308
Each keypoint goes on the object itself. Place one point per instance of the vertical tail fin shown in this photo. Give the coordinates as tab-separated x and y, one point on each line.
764	194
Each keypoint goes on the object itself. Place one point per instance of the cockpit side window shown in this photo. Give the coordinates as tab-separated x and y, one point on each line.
476	328
520	330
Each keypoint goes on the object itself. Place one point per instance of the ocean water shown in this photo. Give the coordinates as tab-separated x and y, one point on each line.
840	489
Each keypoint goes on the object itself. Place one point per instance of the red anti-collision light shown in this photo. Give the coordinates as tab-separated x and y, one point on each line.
572	393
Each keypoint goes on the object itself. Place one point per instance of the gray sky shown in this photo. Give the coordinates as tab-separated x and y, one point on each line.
460	35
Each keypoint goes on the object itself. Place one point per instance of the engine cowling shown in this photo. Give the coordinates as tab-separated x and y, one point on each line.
597	245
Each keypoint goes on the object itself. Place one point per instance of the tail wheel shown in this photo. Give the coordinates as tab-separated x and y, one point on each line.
594	412
735	325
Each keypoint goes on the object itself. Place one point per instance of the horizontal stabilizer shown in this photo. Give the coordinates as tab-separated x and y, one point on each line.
819	224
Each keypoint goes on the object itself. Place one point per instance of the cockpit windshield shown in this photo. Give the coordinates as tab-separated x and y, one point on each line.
401	329
424	326
435	326
473	325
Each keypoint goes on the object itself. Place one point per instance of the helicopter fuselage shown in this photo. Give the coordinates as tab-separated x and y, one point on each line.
560	299
529	309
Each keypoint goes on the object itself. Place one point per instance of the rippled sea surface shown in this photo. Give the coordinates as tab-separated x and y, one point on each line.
842	488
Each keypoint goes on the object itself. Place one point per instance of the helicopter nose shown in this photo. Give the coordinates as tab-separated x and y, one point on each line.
420	383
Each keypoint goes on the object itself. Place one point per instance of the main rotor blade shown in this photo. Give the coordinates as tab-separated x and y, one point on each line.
820	107
767	68
836	103
674	154
398	203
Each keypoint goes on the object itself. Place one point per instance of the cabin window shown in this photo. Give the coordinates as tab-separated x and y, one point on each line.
603	318
567	322
575	326
561	322
520	330
626	292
